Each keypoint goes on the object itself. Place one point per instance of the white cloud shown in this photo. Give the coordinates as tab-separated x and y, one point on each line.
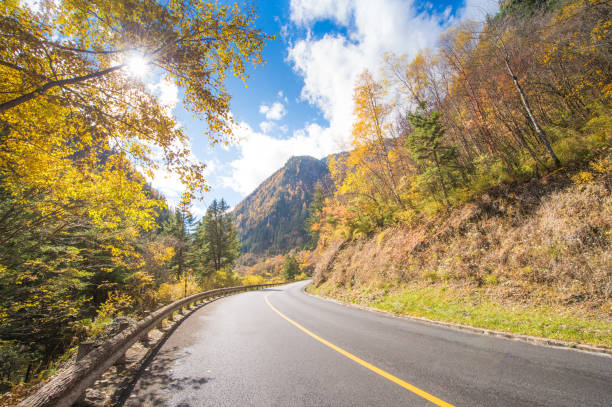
478	9
305	12
267	127
282	96
274	112
169	183
169	92
330	65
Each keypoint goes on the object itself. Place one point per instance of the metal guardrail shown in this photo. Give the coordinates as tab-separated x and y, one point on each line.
67	387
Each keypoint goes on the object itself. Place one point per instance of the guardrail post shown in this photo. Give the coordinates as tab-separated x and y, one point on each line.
145	339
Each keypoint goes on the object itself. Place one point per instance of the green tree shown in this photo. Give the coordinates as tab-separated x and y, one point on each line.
290	267
179	227
439	169
216	238
314	215
54	273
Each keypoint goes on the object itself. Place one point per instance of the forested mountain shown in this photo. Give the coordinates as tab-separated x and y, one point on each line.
272	218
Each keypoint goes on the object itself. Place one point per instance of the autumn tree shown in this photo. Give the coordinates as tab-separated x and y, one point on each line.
529	89
69	98
367	176
371	132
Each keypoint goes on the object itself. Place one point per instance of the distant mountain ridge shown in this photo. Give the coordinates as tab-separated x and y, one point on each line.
271	220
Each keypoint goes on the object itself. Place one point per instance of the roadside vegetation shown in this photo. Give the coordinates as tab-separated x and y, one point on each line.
534	259
468	307
478	189
295	265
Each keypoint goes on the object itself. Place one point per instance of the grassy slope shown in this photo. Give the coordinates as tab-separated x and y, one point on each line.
533	259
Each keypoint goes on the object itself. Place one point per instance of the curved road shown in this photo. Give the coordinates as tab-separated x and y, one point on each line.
281	347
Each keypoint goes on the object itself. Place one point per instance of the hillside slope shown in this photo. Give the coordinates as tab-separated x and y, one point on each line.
271	219
532	258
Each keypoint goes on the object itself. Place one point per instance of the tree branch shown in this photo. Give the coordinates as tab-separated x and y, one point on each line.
53	84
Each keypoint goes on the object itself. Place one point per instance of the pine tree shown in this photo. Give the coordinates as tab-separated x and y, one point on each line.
178	227
439	169
216	238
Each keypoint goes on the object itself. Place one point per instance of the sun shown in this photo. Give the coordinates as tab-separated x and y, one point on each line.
137	65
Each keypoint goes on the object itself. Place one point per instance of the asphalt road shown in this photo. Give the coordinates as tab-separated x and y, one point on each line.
239	351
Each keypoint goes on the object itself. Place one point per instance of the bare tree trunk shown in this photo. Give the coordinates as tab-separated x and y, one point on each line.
532	118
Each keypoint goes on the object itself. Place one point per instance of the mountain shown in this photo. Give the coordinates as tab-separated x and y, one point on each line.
271	219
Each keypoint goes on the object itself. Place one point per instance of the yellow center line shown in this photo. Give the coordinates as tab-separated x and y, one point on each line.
365	364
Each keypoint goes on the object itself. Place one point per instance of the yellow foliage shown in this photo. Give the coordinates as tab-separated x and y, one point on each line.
170	292
117	304
161	253
75	124
221	278
381	236
251	279
301	276
602	165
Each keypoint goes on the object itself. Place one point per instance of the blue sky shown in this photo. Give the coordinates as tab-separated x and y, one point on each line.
300	101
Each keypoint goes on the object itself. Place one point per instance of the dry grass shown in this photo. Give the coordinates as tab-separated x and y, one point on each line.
542	245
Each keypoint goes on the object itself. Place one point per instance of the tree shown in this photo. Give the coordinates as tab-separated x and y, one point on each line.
501	99
314	215
369	177
438	167
55	271
217	238
290	267
179	228
371	131
69	98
